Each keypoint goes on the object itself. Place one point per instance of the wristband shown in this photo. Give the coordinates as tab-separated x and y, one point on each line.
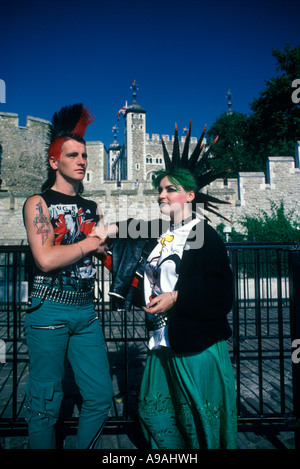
82	253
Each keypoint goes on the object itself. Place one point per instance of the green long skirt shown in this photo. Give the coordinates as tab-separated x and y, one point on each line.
189	400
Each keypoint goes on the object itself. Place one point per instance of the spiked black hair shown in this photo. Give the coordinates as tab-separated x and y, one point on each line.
69	122
196	165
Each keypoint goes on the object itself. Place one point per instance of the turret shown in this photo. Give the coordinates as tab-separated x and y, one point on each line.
135	139
113	169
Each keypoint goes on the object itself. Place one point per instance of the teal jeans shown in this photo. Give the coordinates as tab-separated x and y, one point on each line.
53	332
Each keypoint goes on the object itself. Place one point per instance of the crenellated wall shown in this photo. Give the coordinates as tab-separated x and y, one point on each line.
23	152
23	169
252	192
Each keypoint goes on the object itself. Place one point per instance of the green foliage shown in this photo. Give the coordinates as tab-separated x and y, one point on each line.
274	122
274	227
231	151
234	235
277	226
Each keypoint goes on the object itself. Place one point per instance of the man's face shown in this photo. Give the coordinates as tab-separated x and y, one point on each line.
73	161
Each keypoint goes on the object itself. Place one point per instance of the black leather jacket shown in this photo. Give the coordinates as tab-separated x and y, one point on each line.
129	251
205	288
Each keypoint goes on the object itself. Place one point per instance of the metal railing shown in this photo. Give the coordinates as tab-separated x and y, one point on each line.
263	323
265	320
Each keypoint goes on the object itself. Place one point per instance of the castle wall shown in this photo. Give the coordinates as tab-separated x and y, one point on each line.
253	192
12	229
154	151
24	170
23	152
97	156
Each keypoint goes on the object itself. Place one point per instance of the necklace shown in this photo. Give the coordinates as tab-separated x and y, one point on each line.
181	223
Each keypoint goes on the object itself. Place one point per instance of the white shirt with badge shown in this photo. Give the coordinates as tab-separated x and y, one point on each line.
161	272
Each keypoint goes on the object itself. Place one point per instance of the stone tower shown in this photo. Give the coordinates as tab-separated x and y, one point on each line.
111	170
135	139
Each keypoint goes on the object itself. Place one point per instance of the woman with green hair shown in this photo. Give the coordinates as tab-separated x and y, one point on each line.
187	397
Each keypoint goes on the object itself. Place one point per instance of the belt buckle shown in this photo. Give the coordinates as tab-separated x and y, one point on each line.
75	283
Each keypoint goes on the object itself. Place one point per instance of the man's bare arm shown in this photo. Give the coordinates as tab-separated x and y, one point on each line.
48	256
41	223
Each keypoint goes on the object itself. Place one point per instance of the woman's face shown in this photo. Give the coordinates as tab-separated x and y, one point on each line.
174	200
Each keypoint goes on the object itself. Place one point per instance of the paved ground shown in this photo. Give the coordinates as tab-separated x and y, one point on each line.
246	440
131	439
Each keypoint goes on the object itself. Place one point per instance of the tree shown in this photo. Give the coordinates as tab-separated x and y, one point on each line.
230	152
275	119
272	127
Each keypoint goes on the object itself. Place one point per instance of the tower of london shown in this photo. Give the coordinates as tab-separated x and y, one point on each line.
119	176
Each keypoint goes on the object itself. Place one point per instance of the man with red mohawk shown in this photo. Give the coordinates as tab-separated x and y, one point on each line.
62	320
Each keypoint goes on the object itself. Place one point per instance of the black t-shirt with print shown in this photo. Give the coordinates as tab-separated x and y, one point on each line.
72	218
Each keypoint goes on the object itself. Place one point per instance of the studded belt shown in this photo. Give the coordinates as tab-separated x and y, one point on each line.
79	284
58	289
62	296
157	321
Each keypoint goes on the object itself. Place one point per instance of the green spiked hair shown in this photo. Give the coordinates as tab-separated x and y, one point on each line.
178	177
189	171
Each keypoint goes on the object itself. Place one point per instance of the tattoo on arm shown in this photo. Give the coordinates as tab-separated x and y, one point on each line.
41	223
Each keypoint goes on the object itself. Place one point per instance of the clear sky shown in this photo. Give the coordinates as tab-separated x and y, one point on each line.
183	54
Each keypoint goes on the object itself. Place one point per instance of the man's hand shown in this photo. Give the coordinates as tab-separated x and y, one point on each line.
103	231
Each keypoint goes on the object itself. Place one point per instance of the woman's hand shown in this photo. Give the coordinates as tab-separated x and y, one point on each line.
161	303
104	231
99	235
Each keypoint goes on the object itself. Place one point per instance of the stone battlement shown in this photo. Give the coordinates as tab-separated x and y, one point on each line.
23	152
12	119
156	138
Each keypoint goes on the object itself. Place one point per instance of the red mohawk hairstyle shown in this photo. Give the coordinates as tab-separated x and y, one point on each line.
55	147
84	120
69	122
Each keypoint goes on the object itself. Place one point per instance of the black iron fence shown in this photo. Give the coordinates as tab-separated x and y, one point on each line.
265	320
265	324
